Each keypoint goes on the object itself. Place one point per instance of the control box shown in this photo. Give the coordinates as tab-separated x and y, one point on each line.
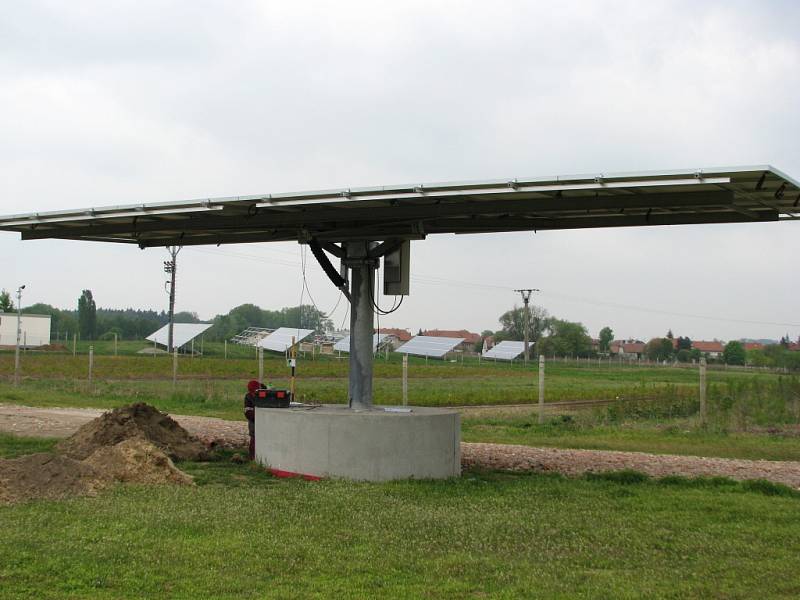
272	398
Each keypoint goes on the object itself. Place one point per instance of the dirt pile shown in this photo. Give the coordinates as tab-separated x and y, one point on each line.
47	476
136	461
135	421
131	444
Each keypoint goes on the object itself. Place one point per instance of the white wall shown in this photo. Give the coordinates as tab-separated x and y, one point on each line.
35	329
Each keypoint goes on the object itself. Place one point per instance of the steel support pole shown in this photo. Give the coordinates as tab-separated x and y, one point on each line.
362	283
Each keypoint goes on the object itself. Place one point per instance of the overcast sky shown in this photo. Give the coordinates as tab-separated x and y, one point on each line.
106	103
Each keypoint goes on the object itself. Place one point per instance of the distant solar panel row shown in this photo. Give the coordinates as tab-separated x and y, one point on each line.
280	340
424	345
343	345
182	333
507	350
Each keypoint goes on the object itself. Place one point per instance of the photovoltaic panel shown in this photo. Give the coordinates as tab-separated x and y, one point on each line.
280	340
507	350
343	345
182	333
425	345
756	194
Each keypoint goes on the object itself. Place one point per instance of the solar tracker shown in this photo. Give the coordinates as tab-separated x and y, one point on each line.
394	214
506	350
343	345
280	340
182	333
426	345
703	195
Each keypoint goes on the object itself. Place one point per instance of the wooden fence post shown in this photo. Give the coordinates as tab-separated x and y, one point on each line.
405	379
703	414
541	388
174	368
91	363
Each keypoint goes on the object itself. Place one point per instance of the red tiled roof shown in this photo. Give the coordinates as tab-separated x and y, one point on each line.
401	334
753	346
635	348
462	333
708	346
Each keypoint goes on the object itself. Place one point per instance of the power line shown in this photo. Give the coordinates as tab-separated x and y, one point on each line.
441	281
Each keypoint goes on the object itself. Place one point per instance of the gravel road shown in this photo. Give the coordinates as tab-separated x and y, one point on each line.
62	422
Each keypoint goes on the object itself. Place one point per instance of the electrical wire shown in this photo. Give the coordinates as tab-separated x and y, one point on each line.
441	281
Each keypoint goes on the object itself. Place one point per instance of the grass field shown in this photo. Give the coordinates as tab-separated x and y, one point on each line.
750	414
243	534
435	383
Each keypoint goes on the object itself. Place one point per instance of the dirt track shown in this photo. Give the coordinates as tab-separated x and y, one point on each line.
62	422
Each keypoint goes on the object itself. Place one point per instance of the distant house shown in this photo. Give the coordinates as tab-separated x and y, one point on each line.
753	346
396	337
712	349
488	343
629	349
470	338
34	330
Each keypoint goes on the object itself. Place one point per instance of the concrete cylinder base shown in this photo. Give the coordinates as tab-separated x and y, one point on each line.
366	445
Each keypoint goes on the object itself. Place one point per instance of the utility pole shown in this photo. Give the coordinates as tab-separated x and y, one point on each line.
19	333
526	297
171	268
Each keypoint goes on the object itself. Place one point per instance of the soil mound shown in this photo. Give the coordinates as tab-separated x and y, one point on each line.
135	421
137	461
47	476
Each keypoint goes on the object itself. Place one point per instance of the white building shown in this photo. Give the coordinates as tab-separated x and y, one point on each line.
35	330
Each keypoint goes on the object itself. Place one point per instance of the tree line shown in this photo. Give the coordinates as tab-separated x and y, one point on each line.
552	336
89	322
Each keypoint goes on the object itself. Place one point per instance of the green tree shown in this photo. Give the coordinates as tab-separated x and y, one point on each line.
734	353
606	335
684	343
87	316
659	349
6	304
566	338
683	355
513	323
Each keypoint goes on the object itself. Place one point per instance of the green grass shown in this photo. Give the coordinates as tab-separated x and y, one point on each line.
243	534
683	437
12	446
435	383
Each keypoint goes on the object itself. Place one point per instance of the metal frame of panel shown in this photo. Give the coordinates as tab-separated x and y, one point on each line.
427	345
280	340
505	350
710	195
182	333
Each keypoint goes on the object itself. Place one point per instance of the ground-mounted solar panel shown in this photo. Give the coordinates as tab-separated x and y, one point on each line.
182	333
280	340
343	345
507	350
425	345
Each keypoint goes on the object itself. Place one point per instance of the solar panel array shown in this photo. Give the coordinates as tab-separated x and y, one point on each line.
182	333
506	350
425	345
343	345
280	340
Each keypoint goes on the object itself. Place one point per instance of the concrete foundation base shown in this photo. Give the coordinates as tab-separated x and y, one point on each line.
368	445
